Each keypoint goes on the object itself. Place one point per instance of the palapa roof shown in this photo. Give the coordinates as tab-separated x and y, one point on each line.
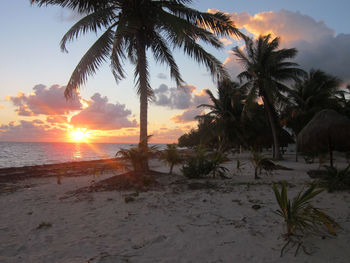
326	126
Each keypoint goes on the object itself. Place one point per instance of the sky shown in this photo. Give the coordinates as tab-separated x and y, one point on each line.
34	72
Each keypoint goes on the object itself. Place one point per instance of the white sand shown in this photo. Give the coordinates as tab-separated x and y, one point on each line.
170	225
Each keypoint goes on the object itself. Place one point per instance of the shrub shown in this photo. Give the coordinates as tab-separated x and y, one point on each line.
137	156
309	157
202	164
260	163
335	179
217	159
171	156
300	216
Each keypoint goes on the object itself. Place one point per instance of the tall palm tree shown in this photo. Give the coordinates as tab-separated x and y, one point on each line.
266	69
313	93
133	27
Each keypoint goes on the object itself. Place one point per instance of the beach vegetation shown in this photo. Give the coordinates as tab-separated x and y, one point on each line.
171	156
137	156
132	30
203	164
267	69
239	165
225	114
336	179
314	92
260	163
300	216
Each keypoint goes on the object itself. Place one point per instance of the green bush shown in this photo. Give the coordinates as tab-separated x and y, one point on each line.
337	179
137	156
202	164
260	163
171	156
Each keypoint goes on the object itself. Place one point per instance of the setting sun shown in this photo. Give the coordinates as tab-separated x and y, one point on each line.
79	135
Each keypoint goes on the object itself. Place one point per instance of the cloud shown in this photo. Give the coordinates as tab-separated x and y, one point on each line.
102	115
318	45
179	98
225	41
188	115
57	119
185	98
30	131
291	26
162	76
44	100
165	135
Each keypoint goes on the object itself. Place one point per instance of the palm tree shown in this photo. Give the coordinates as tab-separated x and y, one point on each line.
133	27
315	92
266	69
226	111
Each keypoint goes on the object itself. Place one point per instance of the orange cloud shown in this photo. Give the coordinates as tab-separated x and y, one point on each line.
57	119
225	41
45	100
31	131
318	45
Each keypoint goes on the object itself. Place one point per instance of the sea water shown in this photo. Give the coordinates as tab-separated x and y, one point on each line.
17	154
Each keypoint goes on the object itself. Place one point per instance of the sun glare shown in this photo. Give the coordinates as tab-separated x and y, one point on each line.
79	135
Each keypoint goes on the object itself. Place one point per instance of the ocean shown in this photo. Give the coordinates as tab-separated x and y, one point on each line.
17	154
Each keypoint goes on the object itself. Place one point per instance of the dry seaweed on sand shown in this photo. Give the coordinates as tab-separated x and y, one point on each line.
136	181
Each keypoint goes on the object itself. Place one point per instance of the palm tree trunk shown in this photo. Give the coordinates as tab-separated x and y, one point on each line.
143	88
276	153
171	168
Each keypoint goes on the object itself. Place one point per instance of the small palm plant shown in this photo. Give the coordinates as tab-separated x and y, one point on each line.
337	179
137	156
300	215
171	156
217	159
260	162
202	164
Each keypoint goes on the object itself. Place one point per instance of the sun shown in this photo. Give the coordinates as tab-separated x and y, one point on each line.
79	135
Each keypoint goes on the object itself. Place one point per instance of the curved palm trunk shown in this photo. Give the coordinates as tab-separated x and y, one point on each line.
276	152
142	71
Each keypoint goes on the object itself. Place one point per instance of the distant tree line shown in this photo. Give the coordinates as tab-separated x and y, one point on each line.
289	98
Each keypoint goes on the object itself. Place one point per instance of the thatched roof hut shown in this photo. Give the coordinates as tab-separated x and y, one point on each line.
327	131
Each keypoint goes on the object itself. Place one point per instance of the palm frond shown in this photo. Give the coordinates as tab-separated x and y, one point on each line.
90	62
92	22
163	54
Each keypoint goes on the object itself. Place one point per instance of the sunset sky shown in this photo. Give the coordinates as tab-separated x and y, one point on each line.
33	70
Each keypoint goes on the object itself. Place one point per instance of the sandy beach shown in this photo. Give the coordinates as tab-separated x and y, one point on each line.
182	220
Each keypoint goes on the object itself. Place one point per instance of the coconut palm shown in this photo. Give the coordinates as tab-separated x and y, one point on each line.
130	28
226	111
315	92
266	69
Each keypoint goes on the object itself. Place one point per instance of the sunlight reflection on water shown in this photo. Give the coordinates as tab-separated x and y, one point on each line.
77	151
16	154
